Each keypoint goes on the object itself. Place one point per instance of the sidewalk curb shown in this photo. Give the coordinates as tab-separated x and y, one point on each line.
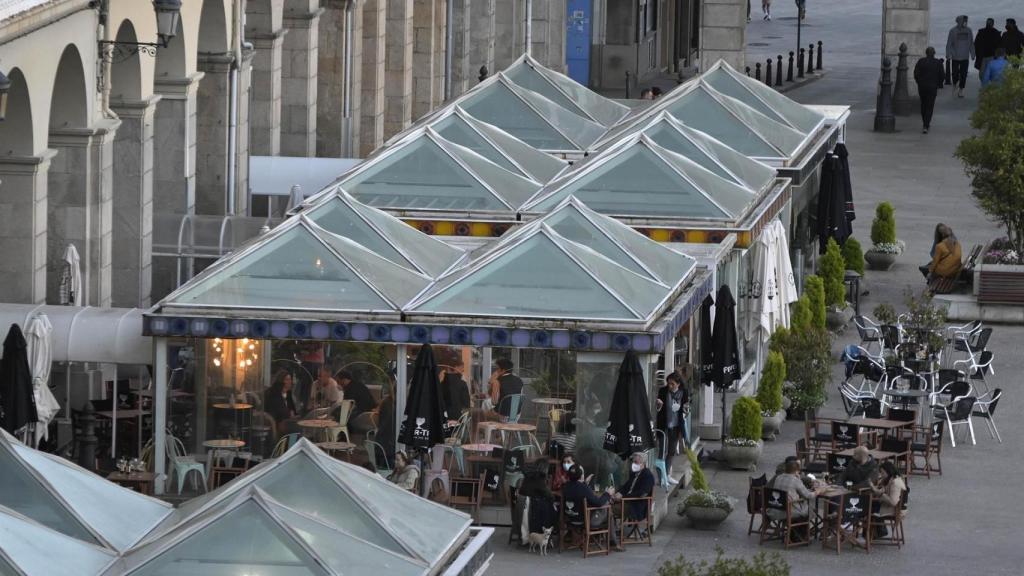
814	77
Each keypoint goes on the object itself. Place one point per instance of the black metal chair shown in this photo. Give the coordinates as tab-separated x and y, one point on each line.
985	409
755	501
871	407
958	413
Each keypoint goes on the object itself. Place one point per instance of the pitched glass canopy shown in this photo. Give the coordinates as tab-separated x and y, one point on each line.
530	117
382	233
641	179
426	172
542	274
762	98
301	267
73	501
564	91
27	547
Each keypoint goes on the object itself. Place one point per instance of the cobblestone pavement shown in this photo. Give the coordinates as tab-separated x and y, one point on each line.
963	522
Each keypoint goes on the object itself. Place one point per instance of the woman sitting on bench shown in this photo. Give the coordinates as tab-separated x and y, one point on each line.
946	256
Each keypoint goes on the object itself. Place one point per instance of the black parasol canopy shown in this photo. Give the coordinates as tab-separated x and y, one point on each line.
630	427
835	199
726	365
17	399
844	164
425	418
707	351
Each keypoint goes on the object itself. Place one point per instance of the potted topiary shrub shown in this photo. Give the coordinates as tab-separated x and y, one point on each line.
885	247
853	256
833	271
742	449
814	288
807	355
706	508
769	395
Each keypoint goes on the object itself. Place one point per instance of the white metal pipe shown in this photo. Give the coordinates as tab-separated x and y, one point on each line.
529	26
449	48
346	131
159	413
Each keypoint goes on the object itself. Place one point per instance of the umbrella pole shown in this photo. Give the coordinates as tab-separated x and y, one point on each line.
725	433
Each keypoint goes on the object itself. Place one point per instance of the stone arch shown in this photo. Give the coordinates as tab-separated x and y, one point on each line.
171	61
68	104
213	36
126	72
16	131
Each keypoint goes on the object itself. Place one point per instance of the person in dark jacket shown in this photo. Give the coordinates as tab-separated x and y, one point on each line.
356	391
985	44
454	389
929	75
504	384
639	484
577	494
1013	39
862	471
672	407
278	401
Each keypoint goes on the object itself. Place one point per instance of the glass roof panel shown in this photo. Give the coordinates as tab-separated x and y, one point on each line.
581	131
636	182
345	554
732	198
572	224
291	270
526	76
20	492
663	261
512	188
457	130
666	136
399	284
536	279
601	109
430	255
121	516
698	109
749	172
497	104
37	550
778	134
538	165
763	99
243	541
642	293
335	216
420	176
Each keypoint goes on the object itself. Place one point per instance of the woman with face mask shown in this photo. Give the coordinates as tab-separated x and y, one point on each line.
561	475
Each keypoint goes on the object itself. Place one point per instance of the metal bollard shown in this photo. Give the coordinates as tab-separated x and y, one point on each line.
778	72
768	72
800	64
748	71
810	58
627	84
885	120
818	67
757	71
789	71
902	104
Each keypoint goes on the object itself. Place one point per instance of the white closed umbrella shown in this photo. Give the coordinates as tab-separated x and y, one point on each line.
40	354
784	272
71	278
295	198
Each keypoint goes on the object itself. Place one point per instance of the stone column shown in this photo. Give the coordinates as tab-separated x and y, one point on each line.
79	188
482	15
212	126
133	202
266	91
509	33
398	67
372	105
904	21
440	49
333	137
23	204
548	33
299	81
723	32
426	27
463	75
174	170
242	134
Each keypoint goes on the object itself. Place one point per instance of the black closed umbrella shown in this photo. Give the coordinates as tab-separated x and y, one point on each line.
17	398
425	418
834	197
726	365
630	427
844	166
707	351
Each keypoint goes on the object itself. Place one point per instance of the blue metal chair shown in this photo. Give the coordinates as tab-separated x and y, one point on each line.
659	462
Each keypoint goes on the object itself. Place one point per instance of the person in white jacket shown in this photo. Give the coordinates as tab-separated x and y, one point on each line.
960	51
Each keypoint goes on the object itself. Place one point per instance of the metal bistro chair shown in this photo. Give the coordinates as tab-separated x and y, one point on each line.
659	462
869	331
978	365
378	457
958	413
435	471
284	443
344	412
972	343
185	464
985	409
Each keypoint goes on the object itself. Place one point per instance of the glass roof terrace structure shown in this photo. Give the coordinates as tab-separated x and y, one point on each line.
28	547
765	99
564	91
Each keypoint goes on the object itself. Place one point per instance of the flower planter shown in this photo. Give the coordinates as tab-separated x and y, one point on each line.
705	518
771	425
837	320
742	457
879	260
999	284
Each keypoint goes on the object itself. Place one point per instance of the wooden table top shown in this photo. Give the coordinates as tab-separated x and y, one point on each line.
879	423
336	446
484	448
118	476
515	427
876	454
126	413
317	423
224	443
235	406
552	401
172	393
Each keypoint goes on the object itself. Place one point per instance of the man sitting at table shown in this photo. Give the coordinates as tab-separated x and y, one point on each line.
781	469
789	482
357	391
861	471
454	389
640	484
577	494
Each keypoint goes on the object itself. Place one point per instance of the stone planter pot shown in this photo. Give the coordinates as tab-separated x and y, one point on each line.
771	425
837	320
742	457
999	284
879	260
703	518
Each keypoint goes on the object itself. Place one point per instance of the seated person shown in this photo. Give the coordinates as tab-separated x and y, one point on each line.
889	489
861	471
639	484
325	390
578	494
781	469
406	472
789	482
454	389
356	391
503	383
946	255
561	476
279	403
541	508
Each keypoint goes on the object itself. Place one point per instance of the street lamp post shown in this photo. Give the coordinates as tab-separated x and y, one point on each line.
800	11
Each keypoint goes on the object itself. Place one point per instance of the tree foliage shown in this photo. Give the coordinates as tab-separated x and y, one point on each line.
746	419
800	314
883	227
833	268
769	393
994	159
762	564
808	364
814	289
853	256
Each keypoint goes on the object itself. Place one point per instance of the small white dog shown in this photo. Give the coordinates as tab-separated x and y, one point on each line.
541	540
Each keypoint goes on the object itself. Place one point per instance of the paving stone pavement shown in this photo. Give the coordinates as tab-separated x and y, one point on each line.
964	522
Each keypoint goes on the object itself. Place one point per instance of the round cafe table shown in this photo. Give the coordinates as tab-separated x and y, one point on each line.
507	429
318	424
548	404
480	448
221	448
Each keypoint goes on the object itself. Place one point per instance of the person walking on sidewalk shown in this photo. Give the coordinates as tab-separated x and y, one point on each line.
995	68
1013	39
929	75
960	49
985	44
766	7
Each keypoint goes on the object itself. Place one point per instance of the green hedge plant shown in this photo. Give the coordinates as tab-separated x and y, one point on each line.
769	394
853	256
746	419
833	268
883	228
814	288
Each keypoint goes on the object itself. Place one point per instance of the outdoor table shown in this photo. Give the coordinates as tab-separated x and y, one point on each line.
227	445
879	423
122	414
318	424
517	428
880	455
148	393
905	396
480	448
236	408
549	403
141	482
346	447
